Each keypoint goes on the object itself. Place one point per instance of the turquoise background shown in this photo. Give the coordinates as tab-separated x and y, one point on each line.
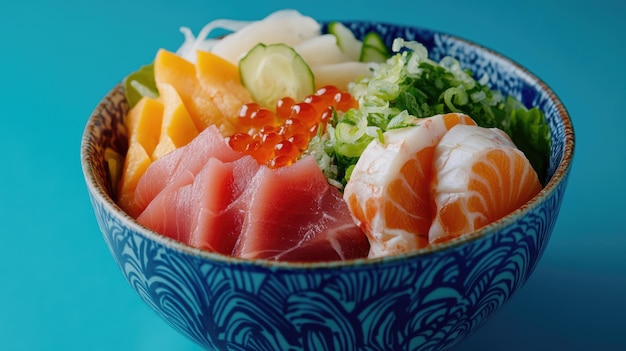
59	287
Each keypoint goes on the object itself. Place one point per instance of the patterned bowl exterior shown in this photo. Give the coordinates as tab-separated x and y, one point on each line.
424	301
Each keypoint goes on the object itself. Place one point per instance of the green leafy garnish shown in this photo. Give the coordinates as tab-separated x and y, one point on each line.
531	133
139	84
408	86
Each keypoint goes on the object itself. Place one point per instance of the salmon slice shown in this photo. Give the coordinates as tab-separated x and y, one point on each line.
480	177
180	166
388	192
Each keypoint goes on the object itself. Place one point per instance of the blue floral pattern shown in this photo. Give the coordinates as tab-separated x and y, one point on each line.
425	301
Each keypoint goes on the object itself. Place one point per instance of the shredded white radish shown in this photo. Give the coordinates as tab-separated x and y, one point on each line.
329	64
284	26
321	50
288	27
340	74
203	42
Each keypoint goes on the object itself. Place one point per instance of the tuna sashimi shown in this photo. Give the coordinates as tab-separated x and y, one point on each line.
208	196
218	223
293	214
181	166
199	213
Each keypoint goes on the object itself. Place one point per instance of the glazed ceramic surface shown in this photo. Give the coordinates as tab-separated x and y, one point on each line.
424	301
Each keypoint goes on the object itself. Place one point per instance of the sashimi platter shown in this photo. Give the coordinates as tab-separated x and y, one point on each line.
281	141
293	184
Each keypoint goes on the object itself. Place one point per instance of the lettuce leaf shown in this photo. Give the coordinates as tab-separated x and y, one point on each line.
139	84
531	133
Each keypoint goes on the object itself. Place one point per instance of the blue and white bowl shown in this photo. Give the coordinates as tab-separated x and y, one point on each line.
428	300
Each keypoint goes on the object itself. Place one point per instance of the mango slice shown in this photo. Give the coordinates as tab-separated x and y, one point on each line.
191	98
210	89
177	127
144	126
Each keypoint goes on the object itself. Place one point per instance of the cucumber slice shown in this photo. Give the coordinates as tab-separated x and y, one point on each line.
374	49
372	54
271	72
346	40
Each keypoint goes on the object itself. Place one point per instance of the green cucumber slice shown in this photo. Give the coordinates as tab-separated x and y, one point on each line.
374	49
271	72
346	40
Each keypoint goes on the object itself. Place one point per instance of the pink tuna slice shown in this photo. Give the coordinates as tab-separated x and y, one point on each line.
293	214
208	196
181	166
198	213
218	225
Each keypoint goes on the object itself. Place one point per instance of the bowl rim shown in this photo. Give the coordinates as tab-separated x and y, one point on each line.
559	176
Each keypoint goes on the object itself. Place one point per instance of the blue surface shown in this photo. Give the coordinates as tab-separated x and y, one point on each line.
60	287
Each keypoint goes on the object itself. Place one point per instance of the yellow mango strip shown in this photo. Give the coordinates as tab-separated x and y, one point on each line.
177	127
135	164
214	70
217	74
220	80
144	125
174	70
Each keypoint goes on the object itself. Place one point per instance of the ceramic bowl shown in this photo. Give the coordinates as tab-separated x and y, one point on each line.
427	300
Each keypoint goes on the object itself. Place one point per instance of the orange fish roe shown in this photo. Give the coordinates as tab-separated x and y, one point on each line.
278	138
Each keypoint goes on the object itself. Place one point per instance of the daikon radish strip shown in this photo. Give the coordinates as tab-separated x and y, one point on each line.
321	50
288	27
340	74
203	42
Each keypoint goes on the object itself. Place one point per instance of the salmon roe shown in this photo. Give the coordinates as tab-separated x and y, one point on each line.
278	138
